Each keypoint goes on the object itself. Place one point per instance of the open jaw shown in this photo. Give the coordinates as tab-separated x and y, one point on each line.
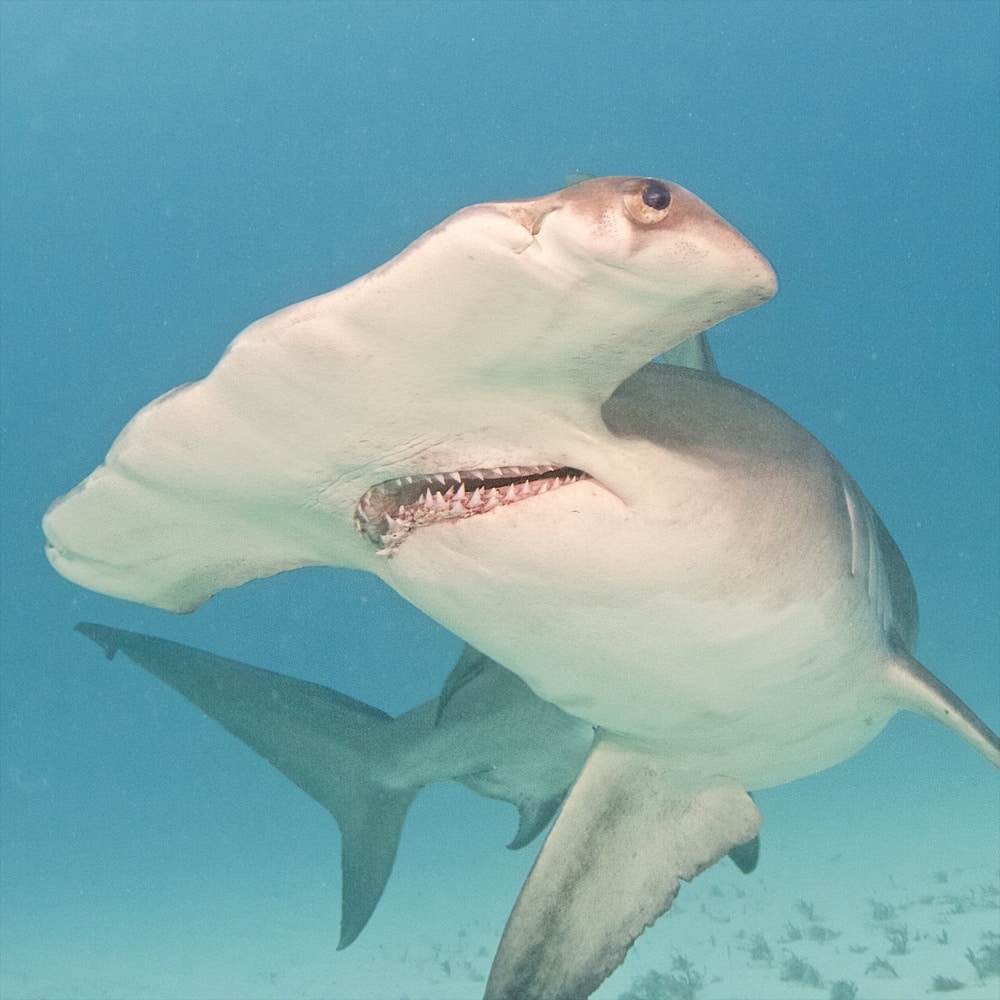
389	511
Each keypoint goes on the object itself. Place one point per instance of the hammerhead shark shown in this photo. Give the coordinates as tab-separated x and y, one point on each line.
654	550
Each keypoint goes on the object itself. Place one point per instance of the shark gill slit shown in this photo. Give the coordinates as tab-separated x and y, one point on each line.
387	512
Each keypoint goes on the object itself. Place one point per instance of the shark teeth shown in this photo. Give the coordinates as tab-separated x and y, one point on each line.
389	511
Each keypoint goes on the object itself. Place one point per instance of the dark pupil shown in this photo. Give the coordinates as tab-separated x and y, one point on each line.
656	195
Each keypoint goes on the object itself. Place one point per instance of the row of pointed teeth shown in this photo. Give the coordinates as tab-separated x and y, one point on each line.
460	497
474	475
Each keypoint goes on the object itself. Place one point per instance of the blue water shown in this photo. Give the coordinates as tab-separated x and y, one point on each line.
172	171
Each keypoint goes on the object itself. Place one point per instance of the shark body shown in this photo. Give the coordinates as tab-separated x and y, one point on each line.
656	551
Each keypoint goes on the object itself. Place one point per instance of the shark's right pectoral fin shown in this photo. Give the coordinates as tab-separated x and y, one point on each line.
631	828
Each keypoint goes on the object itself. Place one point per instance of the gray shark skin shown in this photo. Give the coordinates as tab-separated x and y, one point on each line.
491	734
486	730
655	550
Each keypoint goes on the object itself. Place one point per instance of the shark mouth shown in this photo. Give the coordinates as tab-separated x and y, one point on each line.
389	511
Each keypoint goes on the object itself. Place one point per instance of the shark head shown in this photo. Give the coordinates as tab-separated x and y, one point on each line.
483	353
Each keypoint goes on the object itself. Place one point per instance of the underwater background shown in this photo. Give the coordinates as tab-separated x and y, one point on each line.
172	171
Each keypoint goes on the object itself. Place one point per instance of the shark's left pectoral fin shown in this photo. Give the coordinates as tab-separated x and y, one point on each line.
632	827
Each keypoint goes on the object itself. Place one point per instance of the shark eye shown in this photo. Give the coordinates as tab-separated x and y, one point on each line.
656	195
648	202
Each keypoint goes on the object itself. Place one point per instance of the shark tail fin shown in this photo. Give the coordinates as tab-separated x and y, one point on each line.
334	748
918	690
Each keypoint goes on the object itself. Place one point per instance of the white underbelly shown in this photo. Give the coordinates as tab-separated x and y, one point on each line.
635	636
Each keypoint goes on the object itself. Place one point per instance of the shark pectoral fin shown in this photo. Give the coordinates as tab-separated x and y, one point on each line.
333	747
917	689
631	828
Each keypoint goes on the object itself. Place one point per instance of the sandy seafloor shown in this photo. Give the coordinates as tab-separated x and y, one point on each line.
842	906
170	171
